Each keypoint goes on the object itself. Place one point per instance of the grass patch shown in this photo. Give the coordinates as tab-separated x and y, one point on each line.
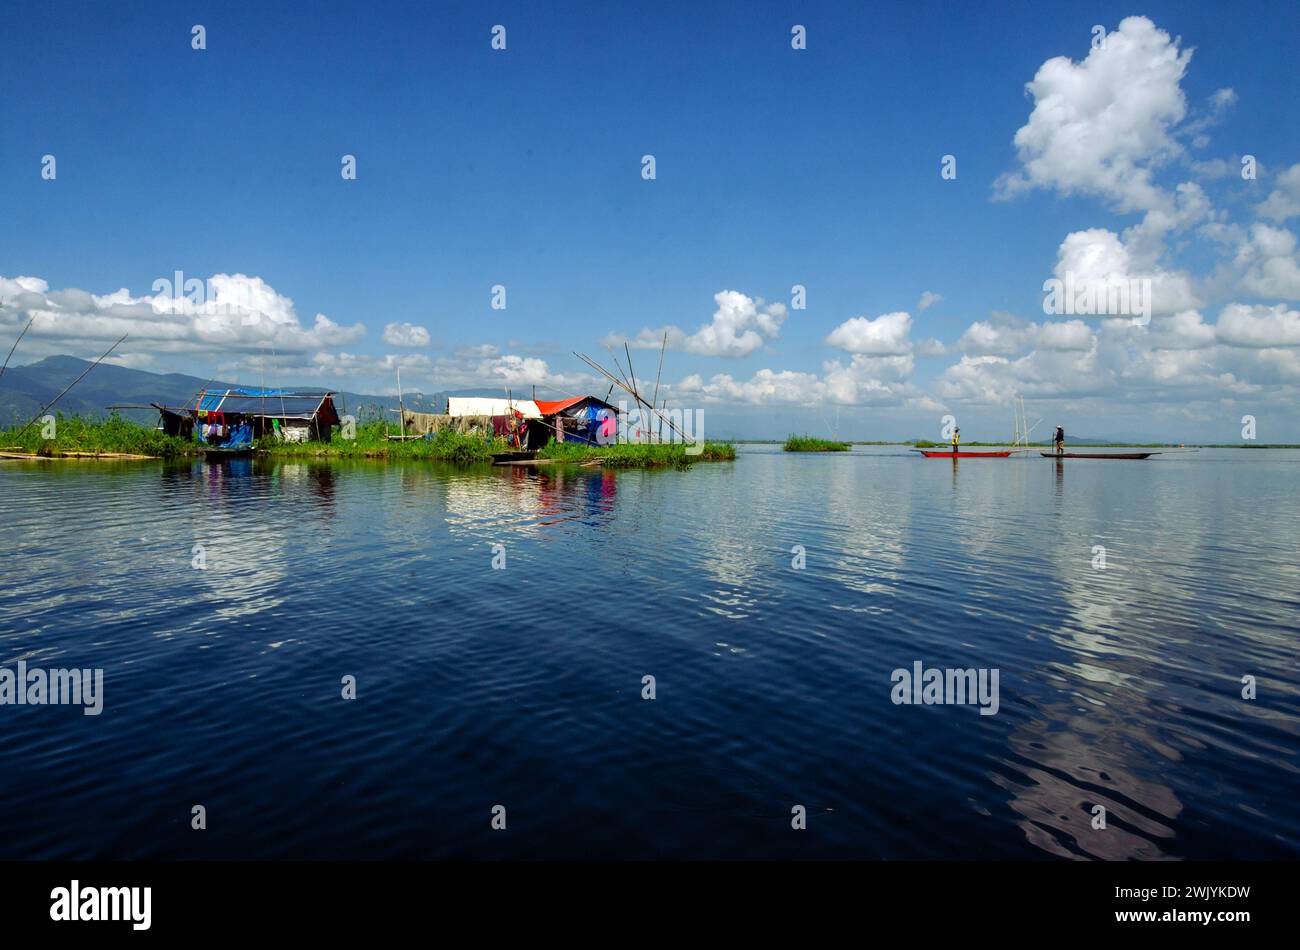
632	455
117	435
808	443
370	443
94	437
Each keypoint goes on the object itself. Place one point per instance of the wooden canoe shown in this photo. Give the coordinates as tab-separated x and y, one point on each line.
219	454
512	458
964	455
1098	455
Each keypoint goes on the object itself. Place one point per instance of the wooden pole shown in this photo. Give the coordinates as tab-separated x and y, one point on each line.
636	392
275	369
15	346
631	373
401	407
41	411
619	366
632	392
510	417
654	401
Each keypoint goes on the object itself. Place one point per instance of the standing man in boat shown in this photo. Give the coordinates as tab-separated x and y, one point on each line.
956	441
1060	440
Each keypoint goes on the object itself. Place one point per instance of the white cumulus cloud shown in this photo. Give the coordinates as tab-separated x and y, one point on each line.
1283	202
1100	259
1258	326
886	335
405	334
227	313
740	326
1268	263
1102	125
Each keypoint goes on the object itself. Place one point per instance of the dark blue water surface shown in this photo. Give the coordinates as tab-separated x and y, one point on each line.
522	687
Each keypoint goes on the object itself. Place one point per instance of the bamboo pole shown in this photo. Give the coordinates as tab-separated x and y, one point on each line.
623	376
276	370
636	392
15	346
401	407
42	410
510	419
631	373
632	392
654	400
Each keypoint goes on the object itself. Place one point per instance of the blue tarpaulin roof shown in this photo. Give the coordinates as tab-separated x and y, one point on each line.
265	402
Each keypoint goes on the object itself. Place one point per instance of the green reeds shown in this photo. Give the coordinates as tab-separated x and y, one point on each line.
116	435
634	455
371	442
75	434
808	443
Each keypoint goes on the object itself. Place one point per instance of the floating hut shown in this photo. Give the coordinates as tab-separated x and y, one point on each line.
231	419
583	419
528	424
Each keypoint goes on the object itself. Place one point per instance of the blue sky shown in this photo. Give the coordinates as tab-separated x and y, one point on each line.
774	166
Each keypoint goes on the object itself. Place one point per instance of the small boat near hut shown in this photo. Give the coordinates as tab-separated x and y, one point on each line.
508	458
223	453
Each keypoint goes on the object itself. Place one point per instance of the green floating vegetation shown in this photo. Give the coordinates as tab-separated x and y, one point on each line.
76	435
808	443
115	435
633	455
1252	445
372	442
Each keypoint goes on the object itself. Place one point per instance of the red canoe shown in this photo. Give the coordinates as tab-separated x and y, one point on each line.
964	455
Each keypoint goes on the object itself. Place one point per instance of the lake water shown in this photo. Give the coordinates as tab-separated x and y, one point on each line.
522	687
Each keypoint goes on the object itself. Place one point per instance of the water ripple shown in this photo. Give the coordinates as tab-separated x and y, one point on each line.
1120	688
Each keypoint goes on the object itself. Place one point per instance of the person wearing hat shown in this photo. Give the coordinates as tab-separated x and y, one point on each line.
956	441
1060	440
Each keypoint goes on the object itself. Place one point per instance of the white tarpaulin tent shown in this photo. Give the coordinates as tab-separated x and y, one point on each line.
487	406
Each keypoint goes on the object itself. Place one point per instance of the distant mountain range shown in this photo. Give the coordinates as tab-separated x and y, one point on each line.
25	389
